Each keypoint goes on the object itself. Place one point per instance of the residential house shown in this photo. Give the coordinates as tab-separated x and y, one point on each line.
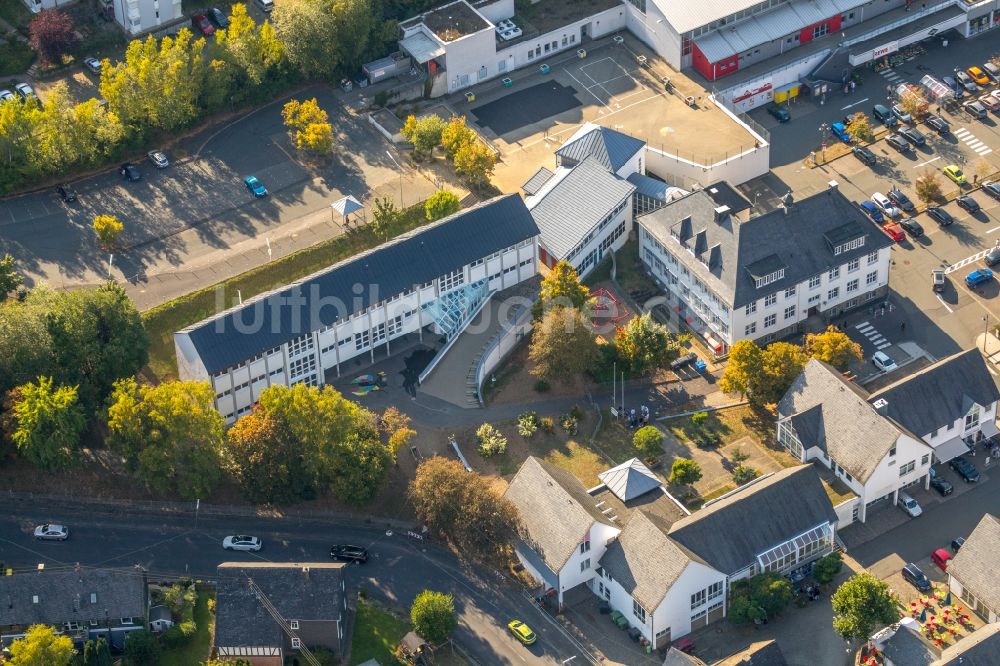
433	279
761	653
827	418
972	574
266	611
732	277
903	645
81	603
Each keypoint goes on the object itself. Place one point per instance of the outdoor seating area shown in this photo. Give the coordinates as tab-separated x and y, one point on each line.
943	618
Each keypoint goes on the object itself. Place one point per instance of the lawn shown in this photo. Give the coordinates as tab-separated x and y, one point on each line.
164	320
377	632
15	58
198	649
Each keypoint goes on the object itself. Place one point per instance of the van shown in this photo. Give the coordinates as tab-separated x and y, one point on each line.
909	505
885	115
265	5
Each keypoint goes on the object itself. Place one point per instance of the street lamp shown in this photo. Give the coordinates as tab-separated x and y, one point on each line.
823	129
986	332
401	204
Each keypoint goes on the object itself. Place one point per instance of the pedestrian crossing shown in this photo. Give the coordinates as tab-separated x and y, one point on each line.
969	139
890	75
870	332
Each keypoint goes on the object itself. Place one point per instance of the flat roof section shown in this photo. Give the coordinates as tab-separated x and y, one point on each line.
450	22
547	15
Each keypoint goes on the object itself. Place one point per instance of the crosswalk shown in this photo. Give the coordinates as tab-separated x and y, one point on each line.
969	139
870	332
890	75
962	263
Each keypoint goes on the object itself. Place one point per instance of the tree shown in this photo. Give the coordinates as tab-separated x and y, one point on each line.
561	288
308	126
742	610
862	605
771	591
491	441
649	441
827	567
684	472
316	138
913	103
475	163
746	363
265	460
983	169
860	128
89	654
562	346
49	423
928	186
782	362
455	135
170	433
51	35
424	133
307	30
41	646
433	616
463	507
743	474
645	344
384	216
256	50
833	346
441	204
9	278
141	648
103	652
108	227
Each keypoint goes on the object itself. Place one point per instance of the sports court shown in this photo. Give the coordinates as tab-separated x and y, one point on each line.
526	107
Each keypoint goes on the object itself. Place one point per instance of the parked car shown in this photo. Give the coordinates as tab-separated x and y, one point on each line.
884	115
894	231
992	257
522	632
93	64
992	71
991	102
913	135
683	361
916	577
978	75
903	116
954	85
346	553
909	505
158	158
936	123
940	215
51	532
201	22
130	172
992	188
966	82
872	211
975	109
218	17
255	187
941	557
66	193
911	227
968	203
883	362
27	93
885	205
938	482
6	95
978	277
964	468
898	142
901	200
864	154
840	131
954	174
780	113
957	543
241	542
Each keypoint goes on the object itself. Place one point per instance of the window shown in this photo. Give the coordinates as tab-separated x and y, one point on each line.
907	468
301	366
789	312
892	452
72	626
852	285
300	345
638	611
585	564
847	247
750	329
853	265
585	547
789	292
769	320
834	273
814	282
294	624
833	293
972	418
296	643
362	339
871	278
715	590
926	459
449	281
770	299
821	30
126	620
768	279
872	257
751	308
698	598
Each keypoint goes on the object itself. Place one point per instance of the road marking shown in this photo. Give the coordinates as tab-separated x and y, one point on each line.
969	139
993	229
935	159
587	88
968	260
845	108
944	304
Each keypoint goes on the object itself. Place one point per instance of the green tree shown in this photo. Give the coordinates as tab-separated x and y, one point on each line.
141	648
746	363
108	228
103	652
860	128
256	50
684	472
89	654
645	344
782	362
41	646
827	567
928	186
743	474
171	433
307	30
9	278
649	441
384	216
441	204
433	616
265	460
49	423
833	346
475	163
463	507
562	346
742	611
561	288
771	591
862	605
455	135
308	126
424	133
18	125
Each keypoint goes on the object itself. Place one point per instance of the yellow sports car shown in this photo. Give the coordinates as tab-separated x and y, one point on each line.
522	632
955	174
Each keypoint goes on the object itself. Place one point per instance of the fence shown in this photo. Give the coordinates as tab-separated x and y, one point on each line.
502	345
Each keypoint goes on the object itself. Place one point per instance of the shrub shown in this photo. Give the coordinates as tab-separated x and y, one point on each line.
211	605
826	568
542	386
547	424
491	441
569	424
527	424
649	441
739	456
698	419
685	472
744	474
576	411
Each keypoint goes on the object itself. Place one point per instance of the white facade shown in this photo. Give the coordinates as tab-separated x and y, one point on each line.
582	564
989	614
608	236
537	50
138	16
978	423
653	29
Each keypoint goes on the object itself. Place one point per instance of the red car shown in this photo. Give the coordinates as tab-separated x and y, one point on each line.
941	557
201	22
894	231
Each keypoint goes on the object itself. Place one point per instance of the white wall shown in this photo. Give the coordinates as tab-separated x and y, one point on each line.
141	15
987	422
845	512
777	79
655	31
956	588
565	38
684	173
571	575
886	479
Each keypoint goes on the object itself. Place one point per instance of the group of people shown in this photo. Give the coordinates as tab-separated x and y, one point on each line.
637	420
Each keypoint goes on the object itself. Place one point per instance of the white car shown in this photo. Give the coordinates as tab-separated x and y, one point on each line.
6	95
885	205
93	64
241	542
158	158
52	532
883	362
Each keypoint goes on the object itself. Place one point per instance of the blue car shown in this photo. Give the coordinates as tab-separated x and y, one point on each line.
255	186
978	277
840	131
872	211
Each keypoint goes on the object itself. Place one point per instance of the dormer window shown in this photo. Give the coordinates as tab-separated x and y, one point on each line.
850	245
769	278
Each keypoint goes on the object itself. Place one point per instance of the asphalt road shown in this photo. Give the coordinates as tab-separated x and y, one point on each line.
398	570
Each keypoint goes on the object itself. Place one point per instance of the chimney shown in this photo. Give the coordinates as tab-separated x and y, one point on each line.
721	213
787	201
832	185
881	406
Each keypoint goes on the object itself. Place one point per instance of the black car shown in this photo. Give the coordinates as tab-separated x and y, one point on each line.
130	172
965	469
683	361
902	201
992	257
941	485
937	124
992	188
911	226
218	17
916	577
344	553
968	203
865	155
913	136
780	113
898	142
956	544
67	193
940	215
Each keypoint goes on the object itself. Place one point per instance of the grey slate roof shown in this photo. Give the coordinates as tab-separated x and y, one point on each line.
730	532
160	613
796	238
611	148
645	562
385	271
537	180
566	209
982	648
834	414
65	596
764	653
654	188
975	565
675	657
242	621
555	509
724	194
907	648
940	394
630	479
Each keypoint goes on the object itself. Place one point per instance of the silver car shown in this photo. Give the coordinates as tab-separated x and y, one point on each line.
158	158
6	95
51	532
241	542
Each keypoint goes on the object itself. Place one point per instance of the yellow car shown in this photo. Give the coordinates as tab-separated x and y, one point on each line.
979	76
522	632
954	174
